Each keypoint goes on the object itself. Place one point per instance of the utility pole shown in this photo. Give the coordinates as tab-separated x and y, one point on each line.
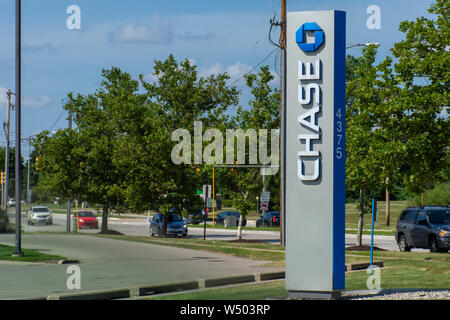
18	252
283	124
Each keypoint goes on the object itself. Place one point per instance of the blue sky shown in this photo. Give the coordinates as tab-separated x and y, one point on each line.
218	36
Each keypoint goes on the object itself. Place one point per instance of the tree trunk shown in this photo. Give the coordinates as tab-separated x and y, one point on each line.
362	194
164	224
105	219
239	232
388	204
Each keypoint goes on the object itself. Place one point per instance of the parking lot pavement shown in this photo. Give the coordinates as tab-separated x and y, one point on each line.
107	264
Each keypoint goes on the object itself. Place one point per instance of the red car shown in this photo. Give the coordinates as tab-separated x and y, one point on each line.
86	219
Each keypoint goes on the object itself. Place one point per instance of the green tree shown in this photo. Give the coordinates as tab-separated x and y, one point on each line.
423	69
364	100
396	133
245	184
80	163
176	100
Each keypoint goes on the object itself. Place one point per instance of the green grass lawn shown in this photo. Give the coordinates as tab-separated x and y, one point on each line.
221	226
401	271
396	207
30	255
405	270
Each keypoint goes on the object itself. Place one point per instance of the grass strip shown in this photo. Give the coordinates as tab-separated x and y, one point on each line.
258	291
242	250
404	270
221	226
30	255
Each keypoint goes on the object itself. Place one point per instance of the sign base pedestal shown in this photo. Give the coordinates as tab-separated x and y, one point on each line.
314	295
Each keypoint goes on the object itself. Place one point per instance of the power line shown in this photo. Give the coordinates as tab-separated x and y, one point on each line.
256	66
59	117
268	8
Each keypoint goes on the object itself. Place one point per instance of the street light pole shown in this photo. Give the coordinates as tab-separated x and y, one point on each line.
69	209
7	130
28	171
18	251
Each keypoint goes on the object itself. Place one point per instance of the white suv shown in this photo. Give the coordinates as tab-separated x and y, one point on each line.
40	214
11	202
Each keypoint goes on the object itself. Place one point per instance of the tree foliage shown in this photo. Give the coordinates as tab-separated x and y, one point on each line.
423	70
119	154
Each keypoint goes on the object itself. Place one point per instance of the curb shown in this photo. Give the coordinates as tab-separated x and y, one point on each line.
217	282
362	266
361	293
68	261
139	291
163	288
93	295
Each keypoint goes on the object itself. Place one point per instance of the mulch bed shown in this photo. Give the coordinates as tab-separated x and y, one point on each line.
363	248
113	232
245	241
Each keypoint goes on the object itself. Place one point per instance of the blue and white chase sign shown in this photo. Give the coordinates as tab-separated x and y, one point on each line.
315	154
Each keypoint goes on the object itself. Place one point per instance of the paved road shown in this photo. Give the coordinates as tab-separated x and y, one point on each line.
138	226
107	263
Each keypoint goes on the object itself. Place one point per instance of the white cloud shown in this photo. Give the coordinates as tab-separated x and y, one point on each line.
40	102
158	31
151	77
236	71
27	102
195	35
3	99
35	49
211	70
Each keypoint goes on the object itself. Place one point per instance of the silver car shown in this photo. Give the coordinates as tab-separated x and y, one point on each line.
176	225
40	214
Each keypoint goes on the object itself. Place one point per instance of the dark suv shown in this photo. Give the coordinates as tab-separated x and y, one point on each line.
427	227
269	219
220	218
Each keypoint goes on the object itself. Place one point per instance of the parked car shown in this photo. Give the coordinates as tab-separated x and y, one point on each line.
196	217
86	219
427	227
220	218
40	214
176	225
269	218
11	202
